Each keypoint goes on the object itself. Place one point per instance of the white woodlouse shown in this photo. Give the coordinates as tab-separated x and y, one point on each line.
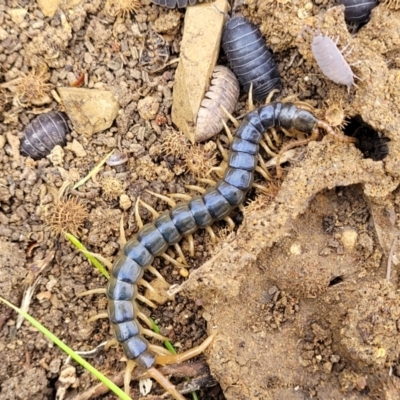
224	91
330	59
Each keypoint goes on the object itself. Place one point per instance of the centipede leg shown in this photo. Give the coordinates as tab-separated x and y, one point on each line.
228	131
155	272
130	366
187	355
165	383
231	224
234	121
291	145
98	316
250	105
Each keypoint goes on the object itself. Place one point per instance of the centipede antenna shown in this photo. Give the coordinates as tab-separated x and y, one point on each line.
150	208
210	231
145	300
222	150
172	261
195	188
168	200
149	332
110	343
266	148
155	272
122	236
188	354
146	285
92	291
130	366
337	136
178	249
231	118
231	224
227	131
165	383
162	351
269	142
250	100
191	245
182	196
137	215
144	318
98	316
340	137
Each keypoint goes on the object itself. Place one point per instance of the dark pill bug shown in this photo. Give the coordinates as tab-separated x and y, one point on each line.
43	133
249	57
358	11
174	3
200	212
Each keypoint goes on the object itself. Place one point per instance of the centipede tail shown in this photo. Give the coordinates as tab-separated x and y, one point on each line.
201	211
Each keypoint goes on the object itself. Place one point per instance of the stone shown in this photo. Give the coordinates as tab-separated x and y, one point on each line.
199	52
89	110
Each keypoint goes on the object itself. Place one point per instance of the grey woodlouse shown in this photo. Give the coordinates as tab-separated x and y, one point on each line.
358	11
174	3
43	133
331	60
184	219
249	57
223	91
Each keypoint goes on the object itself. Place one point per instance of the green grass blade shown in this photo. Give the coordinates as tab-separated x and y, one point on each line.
167	344
92	259
93	172
114	388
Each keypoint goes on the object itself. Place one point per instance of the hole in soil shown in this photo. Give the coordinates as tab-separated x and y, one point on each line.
335	281
370	142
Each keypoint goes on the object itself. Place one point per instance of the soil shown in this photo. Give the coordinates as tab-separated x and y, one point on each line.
304	292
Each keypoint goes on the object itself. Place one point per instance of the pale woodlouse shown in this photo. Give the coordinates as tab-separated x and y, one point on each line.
223	91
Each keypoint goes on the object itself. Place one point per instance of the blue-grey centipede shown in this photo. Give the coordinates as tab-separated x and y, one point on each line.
201	211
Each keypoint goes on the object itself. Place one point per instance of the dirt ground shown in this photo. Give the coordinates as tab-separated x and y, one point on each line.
304	292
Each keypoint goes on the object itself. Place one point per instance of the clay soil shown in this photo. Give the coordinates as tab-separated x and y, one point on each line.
304	292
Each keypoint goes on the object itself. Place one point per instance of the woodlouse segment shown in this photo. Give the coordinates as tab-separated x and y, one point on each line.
223	91
43	133
184	219
358	11
174	3
249	57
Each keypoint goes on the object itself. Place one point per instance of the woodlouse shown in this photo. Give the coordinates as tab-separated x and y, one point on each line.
331	60
358	11
223	91
249	57
174	3
184	219
43	133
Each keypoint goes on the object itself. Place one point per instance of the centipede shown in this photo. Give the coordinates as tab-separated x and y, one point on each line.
184	219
